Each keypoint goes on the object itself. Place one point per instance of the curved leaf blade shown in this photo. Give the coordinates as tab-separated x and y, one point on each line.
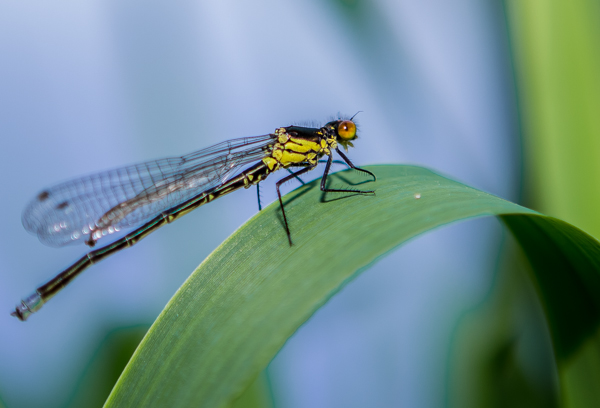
248	297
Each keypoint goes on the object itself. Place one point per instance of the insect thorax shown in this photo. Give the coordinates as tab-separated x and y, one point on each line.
295	148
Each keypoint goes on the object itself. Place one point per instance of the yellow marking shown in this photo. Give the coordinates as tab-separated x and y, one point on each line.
323	143
291	157
311	156
250	177
302	145
210	197
277	154
270	162
282	135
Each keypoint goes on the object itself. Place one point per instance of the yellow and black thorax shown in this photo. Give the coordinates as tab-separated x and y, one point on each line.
304	146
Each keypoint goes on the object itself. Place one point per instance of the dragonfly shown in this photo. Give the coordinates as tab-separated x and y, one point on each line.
148	195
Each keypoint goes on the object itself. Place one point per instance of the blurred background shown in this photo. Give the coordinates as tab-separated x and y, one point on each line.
453	86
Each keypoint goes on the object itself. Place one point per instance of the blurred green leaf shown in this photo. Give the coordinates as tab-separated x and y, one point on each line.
556	48
257	395
249	296
502	354
565	262
106	366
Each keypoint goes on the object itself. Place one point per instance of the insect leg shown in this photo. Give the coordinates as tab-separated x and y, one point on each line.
258	188
326	173
258	196
278	184
353	166
297	178
335	162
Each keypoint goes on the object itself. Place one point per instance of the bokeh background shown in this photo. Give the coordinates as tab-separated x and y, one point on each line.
454	86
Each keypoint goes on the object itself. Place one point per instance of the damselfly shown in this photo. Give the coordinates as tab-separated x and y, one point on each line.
152	194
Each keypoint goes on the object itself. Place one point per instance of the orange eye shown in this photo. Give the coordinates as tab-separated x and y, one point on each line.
347	130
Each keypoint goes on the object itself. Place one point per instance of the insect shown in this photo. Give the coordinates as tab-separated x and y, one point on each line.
151	194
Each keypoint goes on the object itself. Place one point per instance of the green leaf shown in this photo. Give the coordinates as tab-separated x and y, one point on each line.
248	297
556	49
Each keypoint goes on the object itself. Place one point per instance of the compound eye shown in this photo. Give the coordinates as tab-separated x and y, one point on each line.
347	130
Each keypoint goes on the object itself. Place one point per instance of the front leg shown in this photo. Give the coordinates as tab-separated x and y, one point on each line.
326	173
343	156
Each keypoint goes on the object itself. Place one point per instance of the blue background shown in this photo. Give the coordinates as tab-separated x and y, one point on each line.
89	86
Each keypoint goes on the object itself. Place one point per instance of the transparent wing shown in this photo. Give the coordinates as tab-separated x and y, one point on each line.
129	196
